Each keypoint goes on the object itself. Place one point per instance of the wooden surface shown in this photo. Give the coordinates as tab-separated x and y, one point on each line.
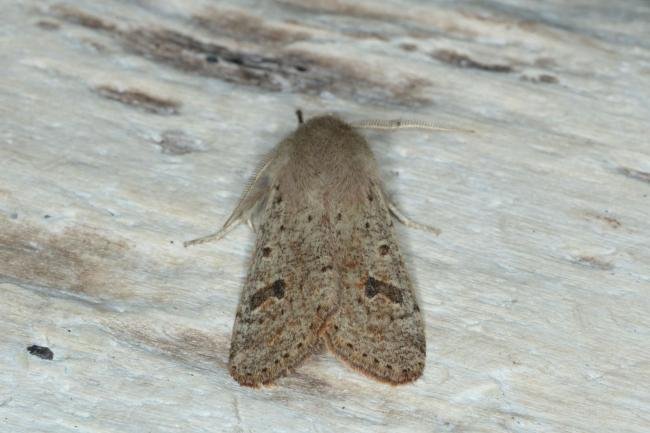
129	127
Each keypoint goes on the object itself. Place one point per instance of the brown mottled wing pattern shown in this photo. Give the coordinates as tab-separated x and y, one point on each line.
378	327
288	295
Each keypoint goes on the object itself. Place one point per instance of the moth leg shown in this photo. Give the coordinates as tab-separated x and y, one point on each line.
409	222
230	226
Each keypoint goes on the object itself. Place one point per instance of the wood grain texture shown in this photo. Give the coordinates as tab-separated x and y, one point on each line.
129	127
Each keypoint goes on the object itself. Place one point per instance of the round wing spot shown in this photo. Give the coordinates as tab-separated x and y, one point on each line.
266	251
384	249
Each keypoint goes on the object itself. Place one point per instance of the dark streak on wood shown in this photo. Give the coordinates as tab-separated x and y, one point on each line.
635	174
77	16
594	262
139	99
464	61
275	70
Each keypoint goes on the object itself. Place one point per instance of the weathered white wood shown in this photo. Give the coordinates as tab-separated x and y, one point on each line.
120	140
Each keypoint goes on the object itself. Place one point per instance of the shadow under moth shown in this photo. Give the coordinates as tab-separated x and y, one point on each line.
326	265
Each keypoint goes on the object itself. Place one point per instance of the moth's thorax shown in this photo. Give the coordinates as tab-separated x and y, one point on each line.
326	153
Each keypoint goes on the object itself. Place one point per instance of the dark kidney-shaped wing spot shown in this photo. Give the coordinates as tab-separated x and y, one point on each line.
375	287
275	289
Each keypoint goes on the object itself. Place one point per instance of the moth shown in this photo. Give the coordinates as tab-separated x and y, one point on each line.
326	267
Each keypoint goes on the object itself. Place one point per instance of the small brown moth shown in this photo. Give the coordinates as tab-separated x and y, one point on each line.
326	266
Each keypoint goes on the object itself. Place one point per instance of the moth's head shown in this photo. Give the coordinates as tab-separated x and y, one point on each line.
326	122
327	133
327	137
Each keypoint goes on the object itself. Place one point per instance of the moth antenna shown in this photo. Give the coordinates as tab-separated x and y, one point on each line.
238	215
404	124
264	163
299	115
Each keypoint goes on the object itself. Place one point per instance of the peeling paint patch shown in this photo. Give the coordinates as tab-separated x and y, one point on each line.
175	142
